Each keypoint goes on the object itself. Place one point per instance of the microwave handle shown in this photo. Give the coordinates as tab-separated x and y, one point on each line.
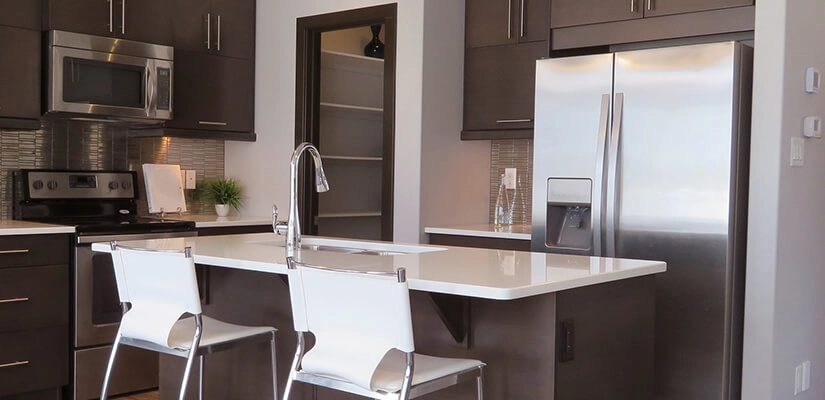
150	88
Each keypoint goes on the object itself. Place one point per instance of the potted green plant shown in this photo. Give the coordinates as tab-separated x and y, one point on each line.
226	193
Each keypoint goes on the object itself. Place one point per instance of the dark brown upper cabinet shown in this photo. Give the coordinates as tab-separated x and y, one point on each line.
213	93
20	40
21	14
20	97
214	86
499	22
654	8
220	27
504	38
499	90
583	12
139	20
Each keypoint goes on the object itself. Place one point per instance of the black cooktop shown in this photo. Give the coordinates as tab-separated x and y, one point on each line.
123	225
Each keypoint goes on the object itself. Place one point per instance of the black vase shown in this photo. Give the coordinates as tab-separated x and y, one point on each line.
374	48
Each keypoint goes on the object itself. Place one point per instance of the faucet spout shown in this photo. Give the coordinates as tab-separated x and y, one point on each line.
293	231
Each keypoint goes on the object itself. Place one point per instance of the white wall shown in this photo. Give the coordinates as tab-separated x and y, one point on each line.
263	166
785	289
455	175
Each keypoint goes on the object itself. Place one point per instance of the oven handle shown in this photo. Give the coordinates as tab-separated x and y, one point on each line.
136	236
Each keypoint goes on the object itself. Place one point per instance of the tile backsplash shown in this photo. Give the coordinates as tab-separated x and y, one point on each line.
513	153
203	155
94	146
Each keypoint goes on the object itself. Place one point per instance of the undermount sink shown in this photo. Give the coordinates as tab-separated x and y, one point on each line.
357	247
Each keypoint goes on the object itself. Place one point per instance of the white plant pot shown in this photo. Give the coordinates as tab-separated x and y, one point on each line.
222	209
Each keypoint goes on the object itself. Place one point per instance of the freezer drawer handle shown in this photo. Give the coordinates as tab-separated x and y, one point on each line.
14	300
21	251
513	121
14	364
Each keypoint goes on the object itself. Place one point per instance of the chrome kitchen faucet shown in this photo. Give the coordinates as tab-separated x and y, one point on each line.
293	225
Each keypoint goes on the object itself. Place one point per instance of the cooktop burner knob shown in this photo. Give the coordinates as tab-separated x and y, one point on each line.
52	185
126	185
37	185
112	185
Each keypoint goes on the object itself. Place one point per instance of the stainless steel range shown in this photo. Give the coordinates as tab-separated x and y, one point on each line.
102	206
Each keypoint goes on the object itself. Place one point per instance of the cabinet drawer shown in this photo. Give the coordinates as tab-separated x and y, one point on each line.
25	250
34	297
34	360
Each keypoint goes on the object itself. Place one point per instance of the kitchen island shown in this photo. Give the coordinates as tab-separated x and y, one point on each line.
503	307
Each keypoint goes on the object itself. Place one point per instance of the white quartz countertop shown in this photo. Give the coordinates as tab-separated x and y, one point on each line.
214	221
517	232
15	227
483	273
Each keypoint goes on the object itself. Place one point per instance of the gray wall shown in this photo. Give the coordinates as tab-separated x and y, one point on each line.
785	288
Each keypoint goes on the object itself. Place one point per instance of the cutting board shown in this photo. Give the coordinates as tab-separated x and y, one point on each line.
164	189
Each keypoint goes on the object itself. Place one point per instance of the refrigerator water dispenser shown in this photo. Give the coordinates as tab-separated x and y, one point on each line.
569	225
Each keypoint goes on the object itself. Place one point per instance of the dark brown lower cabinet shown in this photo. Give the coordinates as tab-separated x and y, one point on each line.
20	79
213	94
34	316
499	90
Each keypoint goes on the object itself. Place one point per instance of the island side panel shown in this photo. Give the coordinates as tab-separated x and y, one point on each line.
613	341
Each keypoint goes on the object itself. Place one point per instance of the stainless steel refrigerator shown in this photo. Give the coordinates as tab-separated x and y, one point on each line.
644	154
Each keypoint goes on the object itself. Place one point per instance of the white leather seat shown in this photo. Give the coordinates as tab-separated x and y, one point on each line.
158	289
362	325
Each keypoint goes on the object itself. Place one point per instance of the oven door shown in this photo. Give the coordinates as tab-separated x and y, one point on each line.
97	308
106	84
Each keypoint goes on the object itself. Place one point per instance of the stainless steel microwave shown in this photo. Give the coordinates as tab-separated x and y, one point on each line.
109	78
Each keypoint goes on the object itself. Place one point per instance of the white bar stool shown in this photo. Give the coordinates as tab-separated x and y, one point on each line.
362	325
156	289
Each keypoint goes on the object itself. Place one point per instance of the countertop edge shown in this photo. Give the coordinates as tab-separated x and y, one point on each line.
466	231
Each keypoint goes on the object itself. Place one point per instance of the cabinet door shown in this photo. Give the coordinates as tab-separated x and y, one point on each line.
146	21
499	86
533	20
667	7
490	22
583	12
233	28
22	14
213	93
20	80
83	16
191	20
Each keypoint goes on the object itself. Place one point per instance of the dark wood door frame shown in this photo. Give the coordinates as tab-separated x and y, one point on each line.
308	98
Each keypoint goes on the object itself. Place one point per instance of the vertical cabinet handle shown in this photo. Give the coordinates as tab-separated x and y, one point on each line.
111	17
218	43
509	18
123	18
649	5
521	25
633	6
208	31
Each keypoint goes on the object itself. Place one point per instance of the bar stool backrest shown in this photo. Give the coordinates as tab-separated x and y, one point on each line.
356	318
160	286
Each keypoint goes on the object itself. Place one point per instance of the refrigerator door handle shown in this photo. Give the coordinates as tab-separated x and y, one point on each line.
611	214
598	190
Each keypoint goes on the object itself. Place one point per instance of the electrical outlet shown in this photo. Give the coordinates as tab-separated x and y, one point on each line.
191	178
509	178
